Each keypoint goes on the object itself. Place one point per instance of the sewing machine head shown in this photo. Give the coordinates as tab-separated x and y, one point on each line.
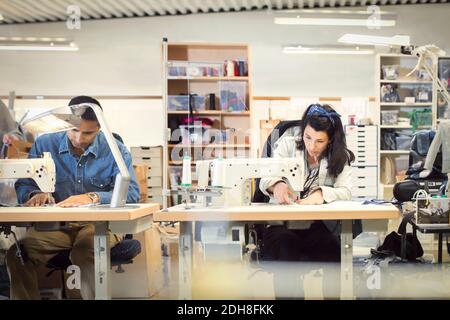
234	176
41	170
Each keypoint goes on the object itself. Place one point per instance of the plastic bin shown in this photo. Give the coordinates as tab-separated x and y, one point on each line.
401	165
403	142
233	96
177	103
390	72
389	117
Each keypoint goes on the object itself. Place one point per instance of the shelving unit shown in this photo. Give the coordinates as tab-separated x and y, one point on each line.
443	72
394	162
207	99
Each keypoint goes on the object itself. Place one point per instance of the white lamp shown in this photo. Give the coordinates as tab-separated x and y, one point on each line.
123	178
361	39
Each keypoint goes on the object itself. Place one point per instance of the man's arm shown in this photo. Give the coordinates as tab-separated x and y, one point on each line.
133	195
26	188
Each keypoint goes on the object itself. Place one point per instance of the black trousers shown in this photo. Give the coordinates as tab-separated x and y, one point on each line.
317	247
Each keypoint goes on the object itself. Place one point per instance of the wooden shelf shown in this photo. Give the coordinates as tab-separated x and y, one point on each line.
212	113
217	145
412	81
203	79
404	104
393	152
403	127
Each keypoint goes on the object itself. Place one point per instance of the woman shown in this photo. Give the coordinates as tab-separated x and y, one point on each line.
321	143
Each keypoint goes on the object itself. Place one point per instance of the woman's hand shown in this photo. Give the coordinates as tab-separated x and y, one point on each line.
315	198
281	193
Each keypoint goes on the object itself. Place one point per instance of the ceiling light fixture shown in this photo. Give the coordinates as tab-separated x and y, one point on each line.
397	40
335	18
36	44
330	50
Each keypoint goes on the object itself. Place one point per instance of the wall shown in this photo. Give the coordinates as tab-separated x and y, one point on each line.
123	57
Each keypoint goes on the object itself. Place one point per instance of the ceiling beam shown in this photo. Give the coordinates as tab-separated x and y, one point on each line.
131	7
144	6
51	11
178	6
65	4
12	14
25	10
120	9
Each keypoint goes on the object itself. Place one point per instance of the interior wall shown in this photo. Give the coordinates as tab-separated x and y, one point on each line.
123	57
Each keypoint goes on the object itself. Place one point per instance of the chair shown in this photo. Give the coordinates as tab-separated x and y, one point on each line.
282	128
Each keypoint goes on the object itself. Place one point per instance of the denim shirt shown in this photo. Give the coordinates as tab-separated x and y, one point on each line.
93	171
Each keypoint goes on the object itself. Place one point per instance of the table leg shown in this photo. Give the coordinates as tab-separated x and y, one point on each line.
440	248
346	259
102	262
185	253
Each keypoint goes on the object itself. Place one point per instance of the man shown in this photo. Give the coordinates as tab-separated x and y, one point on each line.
85	174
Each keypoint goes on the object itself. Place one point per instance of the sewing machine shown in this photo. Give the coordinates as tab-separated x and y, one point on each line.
231	180
41	170
233	176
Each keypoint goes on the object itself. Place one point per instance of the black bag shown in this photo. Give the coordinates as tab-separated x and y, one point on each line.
412	249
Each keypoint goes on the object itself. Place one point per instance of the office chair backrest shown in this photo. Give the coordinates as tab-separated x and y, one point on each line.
279	130
420	144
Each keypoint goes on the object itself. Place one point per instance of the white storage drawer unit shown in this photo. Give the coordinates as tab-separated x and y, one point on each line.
363	142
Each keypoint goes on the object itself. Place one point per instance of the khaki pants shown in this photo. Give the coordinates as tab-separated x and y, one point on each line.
41	246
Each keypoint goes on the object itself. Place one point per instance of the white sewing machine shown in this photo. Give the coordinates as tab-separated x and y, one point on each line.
41	170
234	176
232	179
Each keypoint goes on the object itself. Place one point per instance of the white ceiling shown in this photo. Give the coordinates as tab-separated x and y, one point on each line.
30	11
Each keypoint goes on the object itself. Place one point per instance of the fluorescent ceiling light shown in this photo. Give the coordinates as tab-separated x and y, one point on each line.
36	44
335	18
396	40
331	50
332	22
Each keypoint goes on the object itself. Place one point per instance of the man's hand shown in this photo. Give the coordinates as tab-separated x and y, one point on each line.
315	198
75	201
40	199
282	194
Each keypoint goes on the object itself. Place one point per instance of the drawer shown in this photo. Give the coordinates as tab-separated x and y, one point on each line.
358	181
154	191
154	181
364	191
154	171
365	151
138	152
157	199
151	162
362	171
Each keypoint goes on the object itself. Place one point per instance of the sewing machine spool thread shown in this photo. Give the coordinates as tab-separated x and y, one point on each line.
186	180
217	173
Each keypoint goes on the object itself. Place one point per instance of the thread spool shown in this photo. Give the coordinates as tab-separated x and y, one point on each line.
202	169
186	180
230	68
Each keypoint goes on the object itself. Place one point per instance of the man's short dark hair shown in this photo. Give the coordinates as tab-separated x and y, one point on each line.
89	114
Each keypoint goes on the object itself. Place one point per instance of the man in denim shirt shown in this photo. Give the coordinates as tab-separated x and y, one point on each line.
85	174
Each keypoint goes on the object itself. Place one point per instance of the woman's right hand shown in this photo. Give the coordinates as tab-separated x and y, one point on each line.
282	194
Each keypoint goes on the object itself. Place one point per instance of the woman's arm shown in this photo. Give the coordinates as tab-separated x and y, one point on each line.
341	190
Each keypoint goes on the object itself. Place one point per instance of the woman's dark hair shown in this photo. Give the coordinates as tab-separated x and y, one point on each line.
325	118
